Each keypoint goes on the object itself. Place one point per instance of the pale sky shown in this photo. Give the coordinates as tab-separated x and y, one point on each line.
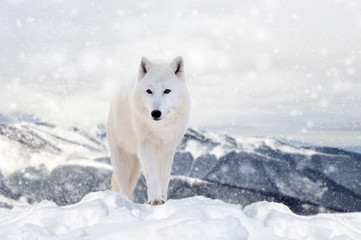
275	68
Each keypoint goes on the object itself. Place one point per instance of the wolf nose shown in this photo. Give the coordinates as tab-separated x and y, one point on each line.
156	114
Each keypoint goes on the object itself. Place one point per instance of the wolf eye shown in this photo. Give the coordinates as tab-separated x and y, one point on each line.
167	91
149	91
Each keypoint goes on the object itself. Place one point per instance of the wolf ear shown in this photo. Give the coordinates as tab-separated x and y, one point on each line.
145	65
177	66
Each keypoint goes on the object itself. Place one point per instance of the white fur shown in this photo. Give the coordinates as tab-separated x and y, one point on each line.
136	140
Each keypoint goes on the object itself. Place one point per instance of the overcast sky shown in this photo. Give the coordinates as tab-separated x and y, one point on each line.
276	68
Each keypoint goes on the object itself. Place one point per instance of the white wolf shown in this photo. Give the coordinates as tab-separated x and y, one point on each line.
146	122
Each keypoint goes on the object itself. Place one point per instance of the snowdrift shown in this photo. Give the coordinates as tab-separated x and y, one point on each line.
109	215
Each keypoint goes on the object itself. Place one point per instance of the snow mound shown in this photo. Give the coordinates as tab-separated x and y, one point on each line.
109	215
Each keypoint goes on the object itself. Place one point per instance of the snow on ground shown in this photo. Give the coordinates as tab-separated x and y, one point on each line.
109	215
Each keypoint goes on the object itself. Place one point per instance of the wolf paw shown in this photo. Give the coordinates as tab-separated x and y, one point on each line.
157	201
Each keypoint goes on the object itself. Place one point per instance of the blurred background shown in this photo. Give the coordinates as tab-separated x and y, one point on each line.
289	69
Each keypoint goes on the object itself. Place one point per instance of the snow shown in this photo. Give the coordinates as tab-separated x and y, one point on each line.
31	144
109	215
221	144
267	74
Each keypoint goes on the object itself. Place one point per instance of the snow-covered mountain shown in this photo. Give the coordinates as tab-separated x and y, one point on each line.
41	161
326	177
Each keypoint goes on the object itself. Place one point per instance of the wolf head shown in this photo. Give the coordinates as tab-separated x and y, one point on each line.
160	89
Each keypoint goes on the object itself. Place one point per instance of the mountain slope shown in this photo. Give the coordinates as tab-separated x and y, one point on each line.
41	161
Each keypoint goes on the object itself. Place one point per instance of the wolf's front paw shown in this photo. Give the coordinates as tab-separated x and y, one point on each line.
157	201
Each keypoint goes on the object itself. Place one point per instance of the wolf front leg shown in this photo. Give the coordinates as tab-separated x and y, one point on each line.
148	160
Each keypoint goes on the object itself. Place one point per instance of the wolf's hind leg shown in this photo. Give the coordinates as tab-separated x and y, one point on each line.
134	176
114	185
124	165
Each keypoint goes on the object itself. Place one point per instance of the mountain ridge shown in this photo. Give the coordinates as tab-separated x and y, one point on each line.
43	161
